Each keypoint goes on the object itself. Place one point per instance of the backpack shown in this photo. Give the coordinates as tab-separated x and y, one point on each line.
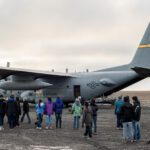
58	107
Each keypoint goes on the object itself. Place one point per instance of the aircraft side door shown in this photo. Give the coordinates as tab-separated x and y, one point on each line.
77	91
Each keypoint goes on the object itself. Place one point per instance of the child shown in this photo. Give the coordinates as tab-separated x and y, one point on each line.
49	112
87	119
39	111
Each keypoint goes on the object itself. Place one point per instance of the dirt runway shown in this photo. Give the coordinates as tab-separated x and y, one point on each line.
27	137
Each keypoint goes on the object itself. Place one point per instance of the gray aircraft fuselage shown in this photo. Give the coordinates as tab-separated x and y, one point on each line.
89	85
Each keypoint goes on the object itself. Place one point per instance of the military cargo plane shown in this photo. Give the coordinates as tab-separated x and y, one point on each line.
87	84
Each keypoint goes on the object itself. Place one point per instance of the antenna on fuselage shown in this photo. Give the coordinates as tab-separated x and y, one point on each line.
8	64
67	70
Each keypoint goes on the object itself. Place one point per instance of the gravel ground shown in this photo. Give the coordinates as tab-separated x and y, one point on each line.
26	137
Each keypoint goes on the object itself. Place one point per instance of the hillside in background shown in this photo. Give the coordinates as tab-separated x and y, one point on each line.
144	96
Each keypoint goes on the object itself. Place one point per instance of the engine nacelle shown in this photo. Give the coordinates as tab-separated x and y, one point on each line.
23	85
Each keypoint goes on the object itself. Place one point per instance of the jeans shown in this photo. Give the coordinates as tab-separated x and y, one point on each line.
88	130
22	118
127	131
1	119
48	120
40	119
119	121
58	120
136	130
76	122
94	123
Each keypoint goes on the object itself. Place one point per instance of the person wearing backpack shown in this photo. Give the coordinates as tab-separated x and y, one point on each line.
118	104
76	110
127	114
58	109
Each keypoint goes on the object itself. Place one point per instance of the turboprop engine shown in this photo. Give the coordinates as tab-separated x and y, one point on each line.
23	83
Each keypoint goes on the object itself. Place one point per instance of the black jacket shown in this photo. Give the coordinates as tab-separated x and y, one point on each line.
2	106
137	112
25	106
18	108
11	107
127	112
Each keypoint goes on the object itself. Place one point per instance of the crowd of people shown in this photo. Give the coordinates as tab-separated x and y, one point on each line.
12	109
128	118
127	114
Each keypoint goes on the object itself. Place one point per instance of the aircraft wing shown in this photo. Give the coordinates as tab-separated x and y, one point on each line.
25	79
5	72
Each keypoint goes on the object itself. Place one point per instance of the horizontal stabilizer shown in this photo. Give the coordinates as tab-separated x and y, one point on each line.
142	71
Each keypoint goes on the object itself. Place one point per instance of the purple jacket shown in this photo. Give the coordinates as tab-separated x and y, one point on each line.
49	108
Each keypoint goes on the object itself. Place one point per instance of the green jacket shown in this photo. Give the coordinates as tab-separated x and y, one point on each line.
76	109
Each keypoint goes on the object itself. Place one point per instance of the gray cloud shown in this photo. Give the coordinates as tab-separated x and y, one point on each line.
75	34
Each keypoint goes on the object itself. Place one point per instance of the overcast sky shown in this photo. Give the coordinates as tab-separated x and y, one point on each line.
74	34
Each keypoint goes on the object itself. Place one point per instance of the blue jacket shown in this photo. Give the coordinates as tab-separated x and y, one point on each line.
40	109
118	104
58	106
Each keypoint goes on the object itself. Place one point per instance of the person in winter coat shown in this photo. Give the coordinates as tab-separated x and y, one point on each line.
94	108
49	112
58	109
25	110
118	104
127	118
136	118
2	111
40	107
87	120
18	112
11	111
76	110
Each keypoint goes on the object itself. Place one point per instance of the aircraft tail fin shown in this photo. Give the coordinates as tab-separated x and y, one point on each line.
142	56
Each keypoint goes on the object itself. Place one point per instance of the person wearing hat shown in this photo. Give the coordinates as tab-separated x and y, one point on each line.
2	111
76	110
48	112
11	111
58	109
